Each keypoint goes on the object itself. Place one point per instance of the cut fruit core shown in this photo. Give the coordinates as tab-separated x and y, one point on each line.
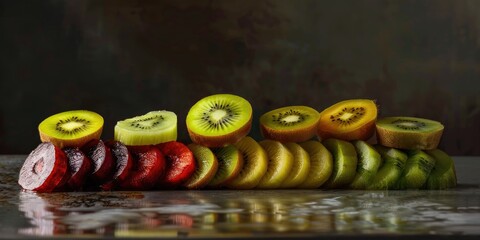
218	115
291	119
70	126
346	116
408	124
38	167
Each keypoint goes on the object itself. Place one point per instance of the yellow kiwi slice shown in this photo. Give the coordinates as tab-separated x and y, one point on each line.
152	128
254	166
290	124
300	168
409	133
230	163
219	120
344	163
71	128
280	162
443	174
207	166
321	164
348	120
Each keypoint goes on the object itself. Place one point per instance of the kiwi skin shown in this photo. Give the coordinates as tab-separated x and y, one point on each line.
224	140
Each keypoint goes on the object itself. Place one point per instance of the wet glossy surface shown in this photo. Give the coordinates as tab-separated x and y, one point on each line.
204	214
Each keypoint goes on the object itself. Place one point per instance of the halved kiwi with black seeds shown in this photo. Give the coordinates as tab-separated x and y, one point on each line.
348	120
409	133
290	124
219	120
71	128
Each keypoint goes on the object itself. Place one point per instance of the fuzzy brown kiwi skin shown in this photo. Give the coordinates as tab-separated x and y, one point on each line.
301	135
221	141
426	142
363	133
79	142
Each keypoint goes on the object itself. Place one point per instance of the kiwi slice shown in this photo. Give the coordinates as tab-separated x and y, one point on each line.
321	164
152	128
443	174
280	162
390	171
417	169
409	133
207	166
71	128
344	163
230	162
290	124
348	120
254	166
300	168
219	120
369	160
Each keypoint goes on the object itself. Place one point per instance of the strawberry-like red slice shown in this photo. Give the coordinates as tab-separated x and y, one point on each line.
45	169
148	168
180	164
80	167
102	160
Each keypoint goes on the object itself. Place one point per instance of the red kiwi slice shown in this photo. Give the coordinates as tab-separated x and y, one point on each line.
148	169
409	133
71	128
230	162
123	164
348	120
102	161
45	169
290	124
207	166
254	167
180	163
80	167
219	120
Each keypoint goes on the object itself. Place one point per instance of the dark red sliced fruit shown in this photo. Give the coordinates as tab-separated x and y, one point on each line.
102	161
80	167
148	168
45	169
180	164
123	162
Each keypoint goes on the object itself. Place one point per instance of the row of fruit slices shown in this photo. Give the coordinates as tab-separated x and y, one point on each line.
145	153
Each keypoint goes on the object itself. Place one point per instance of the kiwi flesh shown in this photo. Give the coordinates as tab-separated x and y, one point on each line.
390	171
344	163
321	164
409	133
369	160
254	166
219	120
207	166
300	168
417	169
230	162
443	174
280	162
152	128
348	120
71	128
289	124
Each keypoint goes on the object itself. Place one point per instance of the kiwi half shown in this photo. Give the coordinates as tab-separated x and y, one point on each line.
290	124
71	128
348	120
409	133
152	128
219	120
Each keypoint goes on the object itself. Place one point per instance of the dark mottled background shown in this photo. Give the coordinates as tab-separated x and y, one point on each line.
125	58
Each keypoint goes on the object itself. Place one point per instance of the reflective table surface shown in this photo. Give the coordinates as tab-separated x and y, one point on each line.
329	214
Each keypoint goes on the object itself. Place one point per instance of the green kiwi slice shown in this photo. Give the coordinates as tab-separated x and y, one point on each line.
207	166
280	162
219	120
417	169
290	124
409	133
71	128
152	128
344	162
230	162
443	174
254	166
369	160
390	171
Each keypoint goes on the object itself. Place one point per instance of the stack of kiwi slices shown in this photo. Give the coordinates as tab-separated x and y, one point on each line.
302	148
